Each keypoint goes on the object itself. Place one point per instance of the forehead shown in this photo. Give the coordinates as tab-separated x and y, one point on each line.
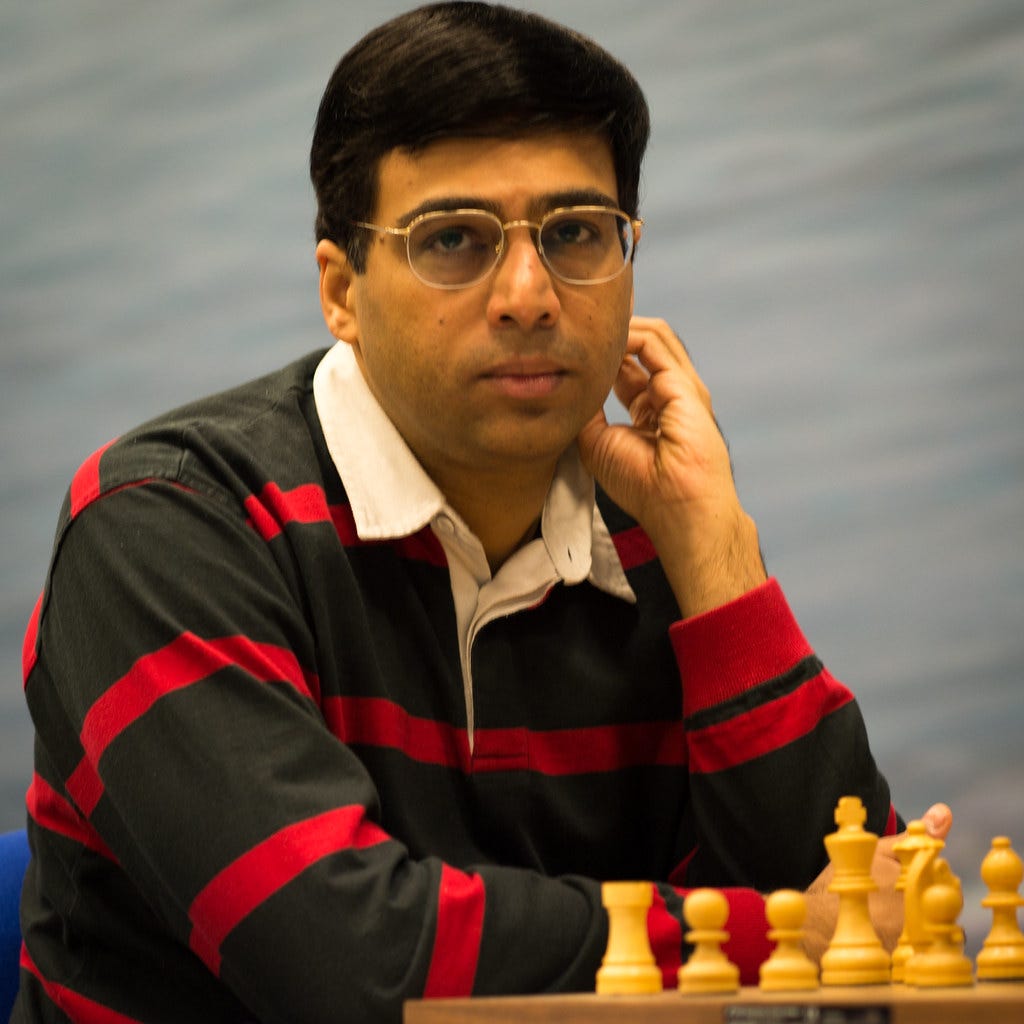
516	177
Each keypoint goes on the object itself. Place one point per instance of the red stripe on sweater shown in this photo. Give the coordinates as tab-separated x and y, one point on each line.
29	646
634	547
375	722
372	721
85	490
273	509
51	811
727	651
421	546
893	823
677	876
246	883
666	934
85	484
185	660
607	748
345	525
460	922
76	1006
747	946
85	786
768	727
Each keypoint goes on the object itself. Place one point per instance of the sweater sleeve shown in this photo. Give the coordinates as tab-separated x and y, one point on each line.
747	946
197	828
774	740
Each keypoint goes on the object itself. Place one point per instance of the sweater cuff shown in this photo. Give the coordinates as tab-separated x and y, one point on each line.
728	650
748	946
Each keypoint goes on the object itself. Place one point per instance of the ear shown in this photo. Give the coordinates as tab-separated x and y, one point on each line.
336	297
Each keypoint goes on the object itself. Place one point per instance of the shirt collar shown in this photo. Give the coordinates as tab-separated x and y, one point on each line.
392	496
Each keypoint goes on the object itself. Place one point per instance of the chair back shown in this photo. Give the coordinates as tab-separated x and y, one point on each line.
13	861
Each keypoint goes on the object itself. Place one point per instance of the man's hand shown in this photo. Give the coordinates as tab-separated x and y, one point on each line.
885	904
670	470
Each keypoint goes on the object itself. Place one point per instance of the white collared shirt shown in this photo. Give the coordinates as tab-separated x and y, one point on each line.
392	496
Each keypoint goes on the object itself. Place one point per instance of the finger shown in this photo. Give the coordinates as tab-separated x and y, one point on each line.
886	846
885	867
632	380
661	342
938	820
631	389
661	353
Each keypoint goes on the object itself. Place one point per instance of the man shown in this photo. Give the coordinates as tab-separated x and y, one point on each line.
347	688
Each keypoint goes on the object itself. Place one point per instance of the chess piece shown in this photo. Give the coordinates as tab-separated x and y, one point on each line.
628	967
1002	954
915	839
788	968
920	875
942	964
708	969
855	954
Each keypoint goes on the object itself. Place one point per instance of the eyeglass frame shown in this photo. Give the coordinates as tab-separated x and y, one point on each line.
635	224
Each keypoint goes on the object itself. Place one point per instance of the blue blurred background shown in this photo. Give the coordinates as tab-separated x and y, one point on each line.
835	206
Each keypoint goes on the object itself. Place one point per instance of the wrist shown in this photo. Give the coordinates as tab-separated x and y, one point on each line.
712	573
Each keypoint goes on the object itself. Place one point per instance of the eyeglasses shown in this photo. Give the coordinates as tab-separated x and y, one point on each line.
458	248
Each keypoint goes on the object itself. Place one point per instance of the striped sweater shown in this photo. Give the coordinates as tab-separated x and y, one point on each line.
254	794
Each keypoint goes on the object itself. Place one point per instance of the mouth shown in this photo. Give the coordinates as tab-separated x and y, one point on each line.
526	378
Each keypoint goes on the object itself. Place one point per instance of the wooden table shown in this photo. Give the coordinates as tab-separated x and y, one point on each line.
984	1003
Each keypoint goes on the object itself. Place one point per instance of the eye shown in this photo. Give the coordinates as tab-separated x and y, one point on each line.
449	239
572	231
445	237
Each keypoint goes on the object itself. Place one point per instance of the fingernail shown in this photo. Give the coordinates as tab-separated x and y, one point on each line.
936	819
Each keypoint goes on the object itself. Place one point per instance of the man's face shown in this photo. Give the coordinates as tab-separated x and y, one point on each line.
503	374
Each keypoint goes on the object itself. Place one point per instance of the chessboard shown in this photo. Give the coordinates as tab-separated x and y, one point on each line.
926	980
983	1003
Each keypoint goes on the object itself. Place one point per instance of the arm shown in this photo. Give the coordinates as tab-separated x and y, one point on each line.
670	470
774	739
198	810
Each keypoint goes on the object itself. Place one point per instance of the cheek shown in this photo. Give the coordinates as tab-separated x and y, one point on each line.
614	351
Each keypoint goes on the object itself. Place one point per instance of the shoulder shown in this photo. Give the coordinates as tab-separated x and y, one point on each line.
226	445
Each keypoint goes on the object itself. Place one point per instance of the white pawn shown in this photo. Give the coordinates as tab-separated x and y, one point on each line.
855	955
1002	955
628	967
708	969
788	968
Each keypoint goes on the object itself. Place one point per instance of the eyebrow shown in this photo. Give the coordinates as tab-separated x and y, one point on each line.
546	202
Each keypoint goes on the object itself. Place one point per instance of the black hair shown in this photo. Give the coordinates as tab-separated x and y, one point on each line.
463	69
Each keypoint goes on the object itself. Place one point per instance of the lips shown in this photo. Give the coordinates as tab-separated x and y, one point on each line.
525	368
526	378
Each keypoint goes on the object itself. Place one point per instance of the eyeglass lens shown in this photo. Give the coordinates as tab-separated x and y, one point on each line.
579	246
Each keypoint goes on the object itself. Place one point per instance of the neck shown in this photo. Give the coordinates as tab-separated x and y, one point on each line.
503	508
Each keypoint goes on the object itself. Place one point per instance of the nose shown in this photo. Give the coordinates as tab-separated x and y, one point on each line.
522	291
